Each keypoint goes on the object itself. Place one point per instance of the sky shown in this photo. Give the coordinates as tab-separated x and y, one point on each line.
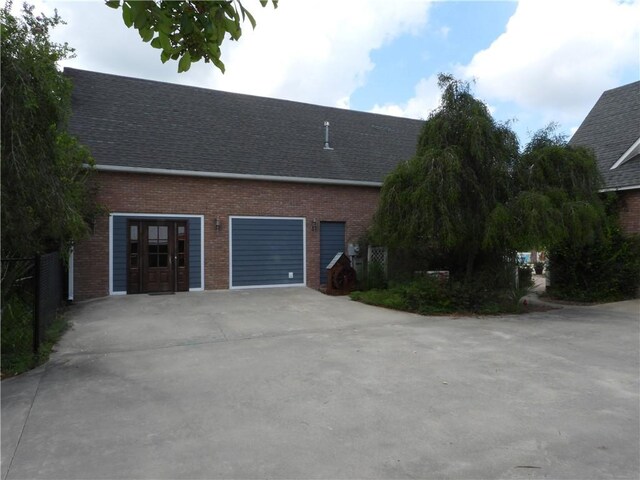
532	62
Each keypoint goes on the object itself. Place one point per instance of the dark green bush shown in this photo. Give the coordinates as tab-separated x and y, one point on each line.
375	278
428	296
606	270
17	325
382	298
17	336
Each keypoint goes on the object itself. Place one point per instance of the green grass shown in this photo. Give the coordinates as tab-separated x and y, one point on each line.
382	298
17	338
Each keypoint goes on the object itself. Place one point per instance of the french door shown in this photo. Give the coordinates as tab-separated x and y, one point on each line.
158	259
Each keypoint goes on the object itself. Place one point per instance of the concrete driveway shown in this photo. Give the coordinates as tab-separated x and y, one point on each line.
289	383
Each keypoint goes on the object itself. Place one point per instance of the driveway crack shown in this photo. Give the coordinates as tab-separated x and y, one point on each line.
224	335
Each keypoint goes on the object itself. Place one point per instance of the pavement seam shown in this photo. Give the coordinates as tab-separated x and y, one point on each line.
26	420
238	339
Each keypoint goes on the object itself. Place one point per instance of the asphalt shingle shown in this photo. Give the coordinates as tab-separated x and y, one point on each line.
129	122
610	128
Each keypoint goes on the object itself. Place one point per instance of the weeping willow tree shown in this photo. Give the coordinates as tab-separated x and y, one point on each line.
440	201
557	207
555	198
470	199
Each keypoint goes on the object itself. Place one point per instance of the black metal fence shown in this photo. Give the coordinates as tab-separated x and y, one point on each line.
48	281
32	287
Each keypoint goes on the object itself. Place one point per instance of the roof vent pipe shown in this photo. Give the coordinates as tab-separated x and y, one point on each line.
326	136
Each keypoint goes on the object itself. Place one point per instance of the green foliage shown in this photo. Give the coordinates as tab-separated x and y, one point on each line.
555	197
375	277
188	31
427	296
381	298
45	193
17	333
17	337
605	270
468	199
440	200
430	296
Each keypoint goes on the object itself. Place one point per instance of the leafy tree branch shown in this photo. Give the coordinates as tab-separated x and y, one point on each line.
187	31
46	197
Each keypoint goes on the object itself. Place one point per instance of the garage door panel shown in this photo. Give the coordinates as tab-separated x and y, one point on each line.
267	245
268	229
264	277
267	251
249	263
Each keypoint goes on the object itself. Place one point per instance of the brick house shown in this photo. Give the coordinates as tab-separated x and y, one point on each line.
213	190
612	131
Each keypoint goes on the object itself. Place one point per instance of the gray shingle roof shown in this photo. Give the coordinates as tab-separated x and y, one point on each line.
610	128
128	122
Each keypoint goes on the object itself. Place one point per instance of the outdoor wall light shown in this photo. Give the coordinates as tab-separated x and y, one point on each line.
218	224
314	225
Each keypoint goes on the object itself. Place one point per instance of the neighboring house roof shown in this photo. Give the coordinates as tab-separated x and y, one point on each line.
142	125
612	131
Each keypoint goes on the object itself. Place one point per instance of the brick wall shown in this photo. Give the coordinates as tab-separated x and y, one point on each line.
630	211
164	194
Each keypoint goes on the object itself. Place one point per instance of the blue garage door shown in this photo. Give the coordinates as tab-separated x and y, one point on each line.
331	242
267	252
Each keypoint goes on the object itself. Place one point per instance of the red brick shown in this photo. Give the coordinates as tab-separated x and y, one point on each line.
165	194
630	211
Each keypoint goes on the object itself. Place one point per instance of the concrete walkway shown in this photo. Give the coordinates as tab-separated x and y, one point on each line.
289	383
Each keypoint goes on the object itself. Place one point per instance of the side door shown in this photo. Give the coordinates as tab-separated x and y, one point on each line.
332	241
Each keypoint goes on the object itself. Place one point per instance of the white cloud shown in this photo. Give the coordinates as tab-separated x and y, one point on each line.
315	50
552	62
425	100
104	44
558	56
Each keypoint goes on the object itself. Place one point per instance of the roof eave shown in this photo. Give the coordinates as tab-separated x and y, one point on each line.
631	152
617	189
237	176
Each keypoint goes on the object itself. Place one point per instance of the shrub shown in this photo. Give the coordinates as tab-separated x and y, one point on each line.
606	270
375	278
382	298
17	326
428	296
17	336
